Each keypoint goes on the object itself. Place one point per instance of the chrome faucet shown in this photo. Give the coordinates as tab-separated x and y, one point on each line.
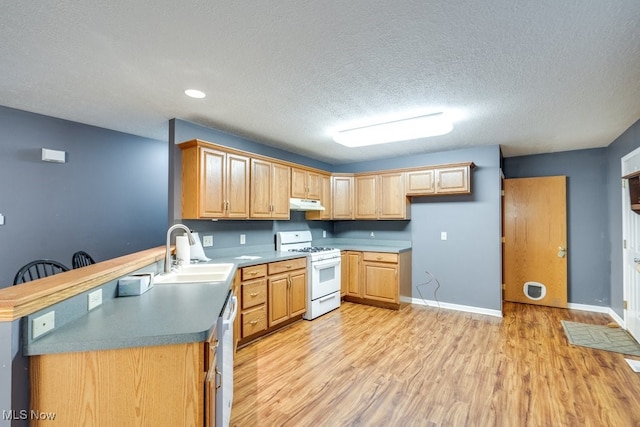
167	257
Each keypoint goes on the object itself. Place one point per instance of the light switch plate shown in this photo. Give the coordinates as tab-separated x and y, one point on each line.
94	299
443	235
43	324
243	239
207	241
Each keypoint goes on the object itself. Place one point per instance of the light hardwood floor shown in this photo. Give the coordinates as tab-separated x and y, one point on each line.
421	366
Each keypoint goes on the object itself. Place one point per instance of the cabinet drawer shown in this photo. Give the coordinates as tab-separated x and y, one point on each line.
254	293
254	271
380	257
288	265
254	320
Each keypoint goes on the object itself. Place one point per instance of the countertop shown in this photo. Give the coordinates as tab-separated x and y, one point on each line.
168	313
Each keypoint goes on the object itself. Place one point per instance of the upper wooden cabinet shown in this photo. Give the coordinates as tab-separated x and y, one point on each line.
215	184
269	189
326	200
343	196
305	184
440	180
381	196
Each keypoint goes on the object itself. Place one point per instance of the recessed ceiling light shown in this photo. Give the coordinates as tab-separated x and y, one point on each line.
397	130
194	93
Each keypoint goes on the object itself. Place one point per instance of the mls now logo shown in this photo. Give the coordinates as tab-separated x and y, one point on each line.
25	414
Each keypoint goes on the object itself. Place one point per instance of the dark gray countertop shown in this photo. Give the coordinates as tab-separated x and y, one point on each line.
170	313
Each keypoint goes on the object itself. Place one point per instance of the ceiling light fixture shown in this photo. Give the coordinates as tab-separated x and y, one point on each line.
194	93
398	130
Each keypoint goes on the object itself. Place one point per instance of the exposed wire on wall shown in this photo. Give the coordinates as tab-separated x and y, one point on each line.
430	279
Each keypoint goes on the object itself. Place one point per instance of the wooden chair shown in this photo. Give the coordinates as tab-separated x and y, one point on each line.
81	259
39	269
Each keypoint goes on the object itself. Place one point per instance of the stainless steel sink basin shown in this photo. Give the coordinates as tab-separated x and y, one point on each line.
196	273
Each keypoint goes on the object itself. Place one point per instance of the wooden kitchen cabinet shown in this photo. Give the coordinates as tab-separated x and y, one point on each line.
353	274
344	273
215	183
156	385
270	189
305	184
326	196
253	300
381	196
287	290
343	196
376	278
440	180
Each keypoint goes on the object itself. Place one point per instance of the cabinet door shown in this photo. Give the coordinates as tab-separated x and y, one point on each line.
280	191
297	293
344	273
278	299
212	176
393	202
421	182
325	200
260	189
366	197
381	282
314	186
453	180
237	189
353	282
343	197
298	183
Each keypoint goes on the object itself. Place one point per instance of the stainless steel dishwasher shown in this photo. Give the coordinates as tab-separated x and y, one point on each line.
224	360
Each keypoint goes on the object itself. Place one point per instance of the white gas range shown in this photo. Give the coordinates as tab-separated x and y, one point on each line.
323	271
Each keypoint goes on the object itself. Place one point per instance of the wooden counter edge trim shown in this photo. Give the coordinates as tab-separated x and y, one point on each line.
21	300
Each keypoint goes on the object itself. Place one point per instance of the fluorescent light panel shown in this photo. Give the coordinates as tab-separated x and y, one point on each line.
194	93
398	130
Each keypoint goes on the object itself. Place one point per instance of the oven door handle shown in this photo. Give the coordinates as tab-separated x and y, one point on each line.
325	263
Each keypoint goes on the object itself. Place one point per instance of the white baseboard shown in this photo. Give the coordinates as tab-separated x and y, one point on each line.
598	309
457	307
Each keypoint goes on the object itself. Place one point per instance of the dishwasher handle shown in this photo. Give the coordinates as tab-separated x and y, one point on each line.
228	323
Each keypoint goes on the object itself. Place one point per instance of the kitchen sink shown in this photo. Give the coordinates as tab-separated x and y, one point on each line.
196	273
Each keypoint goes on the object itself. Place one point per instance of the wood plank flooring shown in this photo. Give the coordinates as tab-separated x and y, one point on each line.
422	366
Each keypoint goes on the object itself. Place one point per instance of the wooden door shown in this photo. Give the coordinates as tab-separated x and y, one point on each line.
297	293
393	202
535	239
314	185
344	272
280	191
212	197
237	186
381	281
342	197
366	197
452	180
298	183
260	189
278	299
421	182
353	282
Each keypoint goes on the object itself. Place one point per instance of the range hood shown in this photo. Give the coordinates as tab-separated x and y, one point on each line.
305	205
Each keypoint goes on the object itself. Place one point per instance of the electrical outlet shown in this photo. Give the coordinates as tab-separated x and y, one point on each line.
1	219
443	235
43	324
207	241
243	239
373	234
324	233
94	299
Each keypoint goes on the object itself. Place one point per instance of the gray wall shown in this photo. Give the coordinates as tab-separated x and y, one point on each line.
468	264
623	145
588	242
109	199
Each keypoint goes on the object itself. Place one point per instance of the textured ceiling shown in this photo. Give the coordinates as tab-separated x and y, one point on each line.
531	76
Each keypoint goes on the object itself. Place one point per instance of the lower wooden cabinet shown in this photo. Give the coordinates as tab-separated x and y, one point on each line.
151	386
272	295
376	278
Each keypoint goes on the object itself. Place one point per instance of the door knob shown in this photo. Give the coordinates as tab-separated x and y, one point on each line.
562	251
